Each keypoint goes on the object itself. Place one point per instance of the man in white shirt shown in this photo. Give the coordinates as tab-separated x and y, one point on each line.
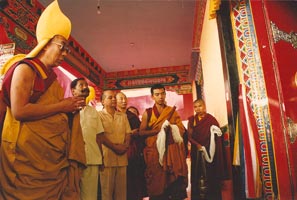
92	130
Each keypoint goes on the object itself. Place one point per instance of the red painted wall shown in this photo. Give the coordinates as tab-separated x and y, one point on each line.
279	66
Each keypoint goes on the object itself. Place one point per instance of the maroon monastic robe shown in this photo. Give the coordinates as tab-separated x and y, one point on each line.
215	170
136	188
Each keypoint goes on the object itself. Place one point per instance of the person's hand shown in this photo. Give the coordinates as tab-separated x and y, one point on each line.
101	167
120	149
135	132
73	104
165	124
199	147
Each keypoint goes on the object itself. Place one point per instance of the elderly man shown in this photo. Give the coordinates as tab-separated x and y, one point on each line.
42	150
117	130
136	166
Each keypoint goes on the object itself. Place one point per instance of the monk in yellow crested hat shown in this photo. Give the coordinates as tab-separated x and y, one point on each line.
42	151
51	22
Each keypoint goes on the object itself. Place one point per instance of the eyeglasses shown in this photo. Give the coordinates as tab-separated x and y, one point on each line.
63	47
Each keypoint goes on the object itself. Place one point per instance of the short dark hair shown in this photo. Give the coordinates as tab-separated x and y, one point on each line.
199	100
157	86
74	82
133	107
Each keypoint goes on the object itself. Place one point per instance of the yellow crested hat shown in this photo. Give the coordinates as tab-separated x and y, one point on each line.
51	22
91	96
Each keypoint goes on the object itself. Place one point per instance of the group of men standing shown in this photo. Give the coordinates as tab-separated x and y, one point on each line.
122	150
57	148
54	147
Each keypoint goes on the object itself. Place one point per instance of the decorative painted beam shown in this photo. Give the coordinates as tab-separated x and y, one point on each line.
168	76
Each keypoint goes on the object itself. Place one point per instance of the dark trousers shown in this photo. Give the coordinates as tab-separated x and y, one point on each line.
173	192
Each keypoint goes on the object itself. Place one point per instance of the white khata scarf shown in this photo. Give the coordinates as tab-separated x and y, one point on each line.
212	147
161	139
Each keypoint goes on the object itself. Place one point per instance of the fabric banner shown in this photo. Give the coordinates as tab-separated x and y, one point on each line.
253	184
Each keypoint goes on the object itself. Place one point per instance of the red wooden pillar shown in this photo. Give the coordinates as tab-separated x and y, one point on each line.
279	66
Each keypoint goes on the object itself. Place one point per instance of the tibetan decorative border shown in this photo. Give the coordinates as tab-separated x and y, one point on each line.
198	23
180	89
249	61
196	66
168	76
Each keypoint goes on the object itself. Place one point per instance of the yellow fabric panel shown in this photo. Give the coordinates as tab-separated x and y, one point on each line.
213	7
91	96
